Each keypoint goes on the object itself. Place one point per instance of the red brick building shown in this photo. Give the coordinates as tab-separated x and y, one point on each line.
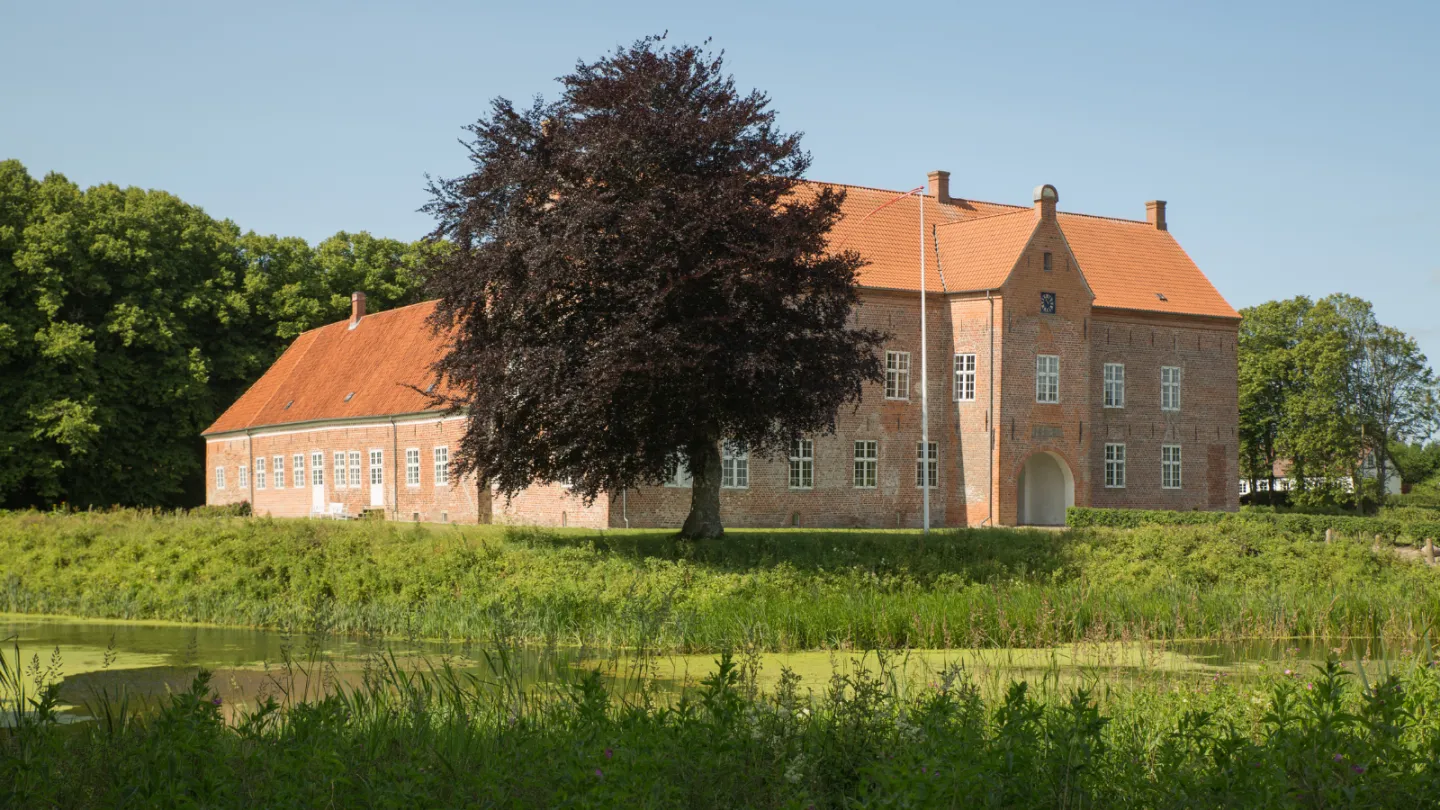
1073	359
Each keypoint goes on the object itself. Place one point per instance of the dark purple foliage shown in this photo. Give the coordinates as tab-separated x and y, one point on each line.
639	274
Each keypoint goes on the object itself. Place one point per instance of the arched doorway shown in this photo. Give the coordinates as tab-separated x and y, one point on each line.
1045	490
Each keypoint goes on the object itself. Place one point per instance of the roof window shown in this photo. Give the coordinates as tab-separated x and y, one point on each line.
349	395
1161	296
288	404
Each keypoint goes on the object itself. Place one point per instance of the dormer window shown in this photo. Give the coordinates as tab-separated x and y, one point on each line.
1161	296
349	395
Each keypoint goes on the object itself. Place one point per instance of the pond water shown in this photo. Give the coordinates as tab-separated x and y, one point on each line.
147	660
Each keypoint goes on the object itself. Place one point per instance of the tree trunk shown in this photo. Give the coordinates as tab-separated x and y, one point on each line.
703	523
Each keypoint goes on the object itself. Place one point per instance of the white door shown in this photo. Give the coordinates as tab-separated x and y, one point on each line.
317	499
377	495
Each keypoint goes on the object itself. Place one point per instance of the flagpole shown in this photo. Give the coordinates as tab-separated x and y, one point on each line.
924	382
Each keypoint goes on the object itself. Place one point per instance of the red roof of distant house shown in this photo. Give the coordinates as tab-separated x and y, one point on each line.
335	372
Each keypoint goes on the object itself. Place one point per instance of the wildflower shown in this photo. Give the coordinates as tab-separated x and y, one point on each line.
599	774
216	700
1357	768
1310	686
1338	758
1289	672
609	753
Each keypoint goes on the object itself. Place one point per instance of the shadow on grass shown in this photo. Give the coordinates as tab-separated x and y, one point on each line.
977	555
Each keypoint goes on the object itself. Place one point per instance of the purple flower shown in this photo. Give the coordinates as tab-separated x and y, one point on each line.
609	753
1310	686
1357	768
599	774
922	769
216	700
1338	758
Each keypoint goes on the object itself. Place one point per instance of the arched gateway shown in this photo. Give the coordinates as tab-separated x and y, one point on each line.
1045	489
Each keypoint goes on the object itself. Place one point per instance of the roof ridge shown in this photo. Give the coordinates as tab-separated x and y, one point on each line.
967	220
1102	216
375	314
927	196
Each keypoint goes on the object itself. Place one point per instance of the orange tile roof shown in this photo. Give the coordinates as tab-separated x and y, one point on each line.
1127	263
978	254
376	361
886	232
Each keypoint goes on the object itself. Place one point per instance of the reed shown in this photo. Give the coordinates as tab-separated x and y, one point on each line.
428	735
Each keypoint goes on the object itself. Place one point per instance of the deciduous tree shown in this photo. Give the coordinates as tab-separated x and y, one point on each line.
638	274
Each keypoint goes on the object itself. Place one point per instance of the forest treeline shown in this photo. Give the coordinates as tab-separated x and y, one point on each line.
130	319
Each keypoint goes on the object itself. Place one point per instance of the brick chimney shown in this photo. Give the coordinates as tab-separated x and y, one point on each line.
1155	214
1045	198
357	308
940	185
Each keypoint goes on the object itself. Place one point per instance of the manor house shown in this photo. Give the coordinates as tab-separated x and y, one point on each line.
1073	360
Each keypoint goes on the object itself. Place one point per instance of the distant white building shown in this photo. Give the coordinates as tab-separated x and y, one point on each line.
1284	482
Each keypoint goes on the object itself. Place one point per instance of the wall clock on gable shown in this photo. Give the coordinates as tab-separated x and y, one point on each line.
1047	303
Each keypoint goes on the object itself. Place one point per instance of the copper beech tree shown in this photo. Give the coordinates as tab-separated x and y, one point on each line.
639	276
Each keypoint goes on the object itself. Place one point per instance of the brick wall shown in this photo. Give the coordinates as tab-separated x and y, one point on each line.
981	452
1204	427
1025	426
460	500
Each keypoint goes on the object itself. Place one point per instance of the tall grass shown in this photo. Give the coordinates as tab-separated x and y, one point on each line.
770	590
431	737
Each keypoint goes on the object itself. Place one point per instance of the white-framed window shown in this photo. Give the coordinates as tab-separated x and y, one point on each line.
679	474
927	465
340	474
278	467
297	470
1244	487
897	375
802	464
377	467
412	466
1114	466
1114	385
355	468
1169	388
1263	485
244	476
219	477
867	464
260	477
1169	466
1047	378
442	466
317	468
734	466
964	378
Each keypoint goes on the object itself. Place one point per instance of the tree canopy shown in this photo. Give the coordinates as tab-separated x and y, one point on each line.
130	319
1323	384
637	276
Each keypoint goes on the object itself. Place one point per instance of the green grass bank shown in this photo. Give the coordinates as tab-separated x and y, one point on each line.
764	590
431	738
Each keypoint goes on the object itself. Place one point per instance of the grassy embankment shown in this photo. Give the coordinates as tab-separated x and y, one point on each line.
433	739
766	590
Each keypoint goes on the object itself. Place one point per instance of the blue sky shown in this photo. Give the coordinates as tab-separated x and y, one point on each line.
1298	144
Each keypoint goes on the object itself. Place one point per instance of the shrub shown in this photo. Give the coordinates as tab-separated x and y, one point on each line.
241	509
1407	527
